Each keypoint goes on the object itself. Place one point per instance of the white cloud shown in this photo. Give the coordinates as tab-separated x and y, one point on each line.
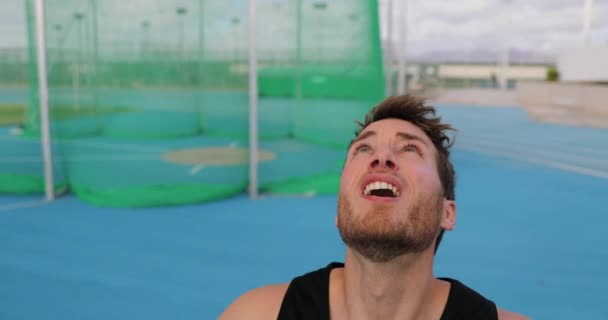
434	25
540	25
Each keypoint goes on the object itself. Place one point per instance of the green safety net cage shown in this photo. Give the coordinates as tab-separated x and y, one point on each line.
149	100
322	62
21	170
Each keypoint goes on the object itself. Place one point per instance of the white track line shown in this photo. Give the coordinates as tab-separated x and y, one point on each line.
197	168
543	162
550	154
26	204
535	143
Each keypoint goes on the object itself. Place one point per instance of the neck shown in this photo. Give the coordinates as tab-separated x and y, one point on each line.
404	288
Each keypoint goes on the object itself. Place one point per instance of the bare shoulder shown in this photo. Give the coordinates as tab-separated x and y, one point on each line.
261	303
508	315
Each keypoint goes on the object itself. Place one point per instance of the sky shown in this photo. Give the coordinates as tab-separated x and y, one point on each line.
436	26
543	26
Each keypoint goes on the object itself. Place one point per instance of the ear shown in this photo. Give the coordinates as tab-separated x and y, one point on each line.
448	218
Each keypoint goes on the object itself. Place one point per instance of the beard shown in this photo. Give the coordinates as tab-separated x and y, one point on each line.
381	235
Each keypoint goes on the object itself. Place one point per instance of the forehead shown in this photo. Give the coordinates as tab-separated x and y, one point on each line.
390	127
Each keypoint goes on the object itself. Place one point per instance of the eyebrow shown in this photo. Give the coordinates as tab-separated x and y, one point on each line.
409	136
363	136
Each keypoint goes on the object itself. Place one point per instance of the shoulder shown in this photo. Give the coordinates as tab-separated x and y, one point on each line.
464	294
508	315
261	303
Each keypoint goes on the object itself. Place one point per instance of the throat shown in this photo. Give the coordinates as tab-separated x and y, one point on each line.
382	193
391	291
396	302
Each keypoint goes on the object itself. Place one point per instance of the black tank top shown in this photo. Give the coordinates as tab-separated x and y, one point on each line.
307	298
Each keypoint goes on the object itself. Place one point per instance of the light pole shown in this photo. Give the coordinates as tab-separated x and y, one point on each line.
353	49
181	12
402	73
587	19
57	28
201	42
235	22
143	50
321	7
78	16
146	38
389	48
504	61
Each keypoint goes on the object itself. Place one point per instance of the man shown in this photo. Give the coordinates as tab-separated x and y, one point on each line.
396	199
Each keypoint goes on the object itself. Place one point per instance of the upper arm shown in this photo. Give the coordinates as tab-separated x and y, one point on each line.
508	315
261	303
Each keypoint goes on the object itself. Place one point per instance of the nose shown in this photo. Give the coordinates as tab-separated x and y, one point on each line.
383	159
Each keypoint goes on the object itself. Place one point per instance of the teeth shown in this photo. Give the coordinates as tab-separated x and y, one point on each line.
380	185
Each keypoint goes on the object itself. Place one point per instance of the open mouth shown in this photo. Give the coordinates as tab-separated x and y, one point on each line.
381	189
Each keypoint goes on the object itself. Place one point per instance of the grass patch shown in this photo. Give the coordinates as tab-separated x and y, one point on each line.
69	112
12	114
16	114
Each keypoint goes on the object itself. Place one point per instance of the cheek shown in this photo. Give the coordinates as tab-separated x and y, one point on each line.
346	179
350	173
426	177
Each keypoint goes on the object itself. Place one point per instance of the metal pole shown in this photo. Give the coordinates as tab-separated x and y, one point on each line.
587	19
504	63
201	43
76	80
403	28
181	12
47	151
253	103
389	48
299	64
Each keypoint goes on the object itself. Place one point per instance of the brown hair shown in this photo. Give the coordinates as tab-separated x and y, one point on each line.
414	111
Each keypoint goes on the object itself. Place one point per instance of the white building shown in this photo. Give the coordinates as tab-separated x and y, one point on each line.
585	64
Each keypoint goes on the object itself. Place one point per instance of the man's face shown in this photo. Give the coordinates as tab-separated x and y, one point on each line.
391	200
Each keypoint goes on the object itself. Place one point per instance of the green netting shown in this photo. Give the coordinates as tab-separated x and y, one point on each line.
150	101
24	184
161	195
326	184
21	183
331	76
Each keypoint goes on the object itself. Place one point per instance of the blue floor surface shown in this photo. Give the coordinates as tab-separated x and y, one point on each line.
528	237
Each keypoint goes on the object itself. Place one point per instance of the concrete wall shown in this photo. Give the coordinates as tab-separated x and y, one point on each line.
472	71
575	104
583	64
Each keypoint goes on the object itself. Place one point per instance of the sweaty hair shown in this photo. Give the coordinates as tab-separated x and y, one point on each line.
414	111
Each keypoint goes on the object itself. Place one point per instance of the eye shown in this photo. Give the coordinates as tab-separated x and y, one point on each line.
362	148
411	147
